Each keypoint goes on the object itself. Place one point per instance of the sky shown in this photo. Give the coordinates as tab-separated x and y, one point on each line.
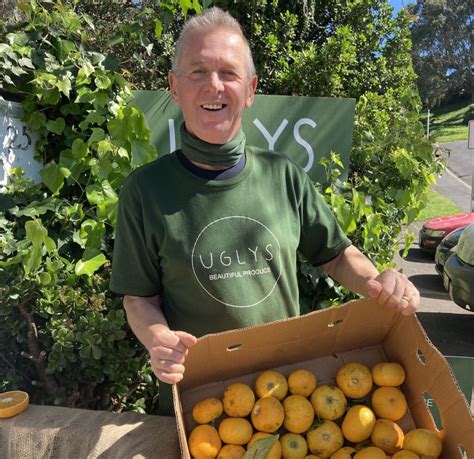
398	4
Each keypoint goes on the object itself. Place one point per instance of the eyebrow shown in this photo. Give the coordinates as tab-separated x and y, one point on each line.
203	62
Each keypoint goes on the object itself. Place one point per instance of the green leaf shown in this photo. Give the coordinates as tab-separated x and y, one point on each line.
115	39
97	135
57	126
142	152
104	146
92	118
96	352
26	62
63	48
44	278
33	259
90	266
36	233
50	245
261	448
102	81
79	148
53	176
36	120
158	28
64	85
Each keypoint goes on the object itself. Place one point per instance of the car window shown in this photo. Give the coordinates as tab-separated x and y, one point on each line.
465	247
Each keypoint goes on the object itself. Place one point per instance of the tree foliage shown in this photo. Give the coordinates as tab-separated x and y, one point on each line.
442	49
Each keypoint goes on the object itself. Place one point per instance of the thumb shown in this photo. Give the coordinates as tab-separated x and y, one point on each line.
187	339
373	288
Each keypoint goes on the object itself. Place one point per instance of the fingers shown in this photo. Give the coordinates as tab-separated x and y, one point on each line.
168	354
187	339
396	291
373	288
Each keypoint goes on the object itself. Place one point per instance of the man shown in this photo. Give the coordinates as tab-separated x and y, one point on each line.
207	237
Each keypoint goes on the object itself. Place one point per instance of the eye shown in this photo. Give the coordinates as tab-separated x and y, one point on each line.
198	73
229	74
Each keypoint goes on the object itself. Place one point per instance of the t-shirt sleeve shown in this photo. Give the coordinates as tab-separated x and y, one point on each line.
135	269
322	239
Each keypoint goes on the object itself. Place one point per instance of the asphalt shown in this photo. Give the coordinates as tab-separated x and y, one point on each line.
450	327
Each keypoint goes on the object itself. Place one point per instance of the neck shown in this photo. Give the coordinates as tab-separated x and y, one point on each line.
210	156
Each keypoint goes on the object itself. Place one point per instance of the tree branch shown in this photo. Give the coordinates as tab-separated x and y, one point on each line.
35	354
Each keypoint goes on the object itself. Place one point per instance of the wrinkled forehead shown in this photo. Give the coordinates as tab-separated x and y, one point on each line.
202	40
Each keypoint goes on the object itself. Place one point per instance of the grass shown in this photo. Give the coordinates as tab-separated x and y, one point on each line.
437	205
449	123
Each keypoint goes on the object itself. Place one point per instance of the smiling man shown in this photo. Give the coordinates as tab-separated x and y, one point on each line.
207	237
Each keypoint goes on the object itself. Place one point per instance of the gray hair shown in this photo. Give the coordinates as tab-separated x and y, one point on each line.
211	18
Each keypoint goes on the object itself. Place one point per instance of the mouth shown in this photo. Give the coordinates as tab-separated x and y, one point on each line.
213	107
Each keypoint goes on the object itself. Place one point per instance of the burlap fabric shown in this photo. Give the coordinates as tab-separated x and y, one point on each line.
65	433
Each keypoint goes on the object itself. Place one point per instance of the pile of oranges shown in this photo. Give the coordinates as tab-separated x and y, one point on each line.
356	419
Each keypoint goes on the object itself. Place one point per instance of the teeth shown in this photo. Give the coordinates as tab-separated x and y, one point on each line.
212	106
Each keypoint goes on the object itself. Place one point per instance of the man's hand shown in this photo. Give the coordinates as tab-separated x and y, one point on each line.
393	289
168	353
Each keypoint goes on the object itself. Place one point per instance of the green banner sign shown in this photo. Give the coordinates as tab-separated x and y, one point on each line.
303	128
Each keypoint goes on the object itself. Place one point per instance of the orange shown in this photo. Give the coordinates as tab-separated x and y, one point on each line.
236	431
387	436
271	383
372	452
293	446
238	400
389	403
347	452
275	451
423	442
204	441
207	410
268	414
325	439
231	452
329	402
404	454
358	423
301	382
299	414
388	374
354	379
13	402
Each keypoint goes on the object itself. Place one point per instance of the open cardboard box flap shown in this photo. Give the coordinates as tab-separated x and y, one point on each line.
323	341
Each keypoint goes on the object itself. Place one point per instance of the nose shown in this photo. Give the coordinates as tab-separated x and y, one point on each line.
215	83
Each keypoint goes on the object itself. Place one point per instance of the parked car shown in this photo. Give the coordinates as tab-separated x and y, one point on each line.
458	274
445	248
436	229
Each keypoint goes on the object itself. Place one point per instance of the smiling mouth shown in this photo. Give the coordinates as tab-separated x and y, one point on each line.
213	107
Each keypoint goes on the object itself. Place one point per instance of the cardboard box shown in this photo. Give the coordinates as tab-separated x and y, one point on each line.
323	341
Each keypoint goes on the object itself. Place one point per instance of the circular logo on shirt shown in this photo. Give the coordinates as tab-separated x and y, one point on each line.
237	261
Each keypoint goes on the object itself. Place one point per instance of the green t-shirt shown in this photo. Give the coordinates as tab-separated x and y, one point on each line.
222	254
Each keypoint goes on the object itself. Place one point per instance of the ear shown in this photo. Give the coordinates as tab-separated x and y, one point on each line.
252	86
173	84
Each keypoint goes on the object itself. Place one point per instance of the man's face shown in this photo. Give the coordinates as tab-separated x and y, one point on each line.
212	85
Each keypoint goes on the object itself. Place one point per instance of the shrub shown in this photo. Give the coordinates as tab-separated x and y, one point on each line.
64	337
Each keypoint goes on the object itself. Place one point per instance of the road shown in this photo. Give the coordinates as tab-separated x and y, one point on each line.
450	327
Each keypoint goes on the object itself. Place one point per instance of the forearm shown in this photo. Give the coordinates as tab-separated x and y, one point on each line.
145	317
352	269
